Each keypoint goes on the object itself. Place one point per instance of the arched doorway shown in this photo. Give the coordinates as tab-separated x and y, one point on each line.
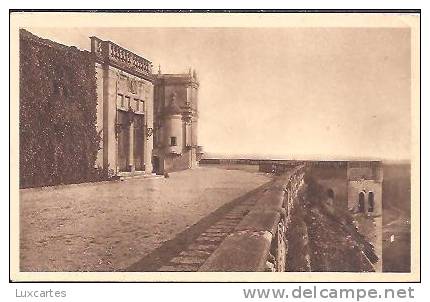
330	193
361	197
371	202
330	197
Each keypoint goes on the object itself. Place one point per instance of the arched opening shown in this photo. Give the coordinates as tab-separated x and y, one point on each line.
330	193
361	202
371	202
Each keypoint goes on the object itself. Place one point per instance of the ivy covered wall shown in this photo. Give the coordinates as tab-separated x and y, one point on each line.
57	114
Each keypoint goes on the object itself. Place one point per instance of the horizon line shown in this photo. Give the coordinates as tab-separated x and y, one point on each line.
209	155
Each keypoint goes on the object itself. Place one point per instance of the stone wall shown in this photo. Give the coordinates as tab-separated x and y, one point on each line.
184	161
275	234
333	178
259	241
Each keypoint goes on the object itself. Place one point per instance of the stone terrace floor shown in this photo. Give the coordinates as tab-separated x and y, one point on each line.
109	226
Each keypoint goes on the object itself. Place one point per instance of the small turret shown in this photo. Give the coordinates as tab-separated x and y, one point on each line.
173	124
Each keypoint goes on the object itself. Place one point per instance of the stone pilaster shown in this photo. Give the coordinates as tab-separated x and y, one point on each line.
131	147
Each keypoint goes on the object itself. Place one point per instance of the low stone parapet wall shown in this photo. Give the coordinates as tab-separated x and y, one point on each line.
259	242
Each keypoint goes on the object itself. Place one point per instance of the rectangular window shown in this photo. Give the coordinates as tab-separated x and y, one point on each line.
121	100
127	102
173	141
137	104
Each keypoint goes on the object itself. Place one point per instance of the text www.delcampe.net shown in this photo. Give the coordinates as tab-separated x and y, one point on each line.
316	292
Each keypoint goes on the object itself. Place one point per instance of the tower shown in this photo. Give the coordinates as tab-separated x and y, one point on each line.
175	122
172	122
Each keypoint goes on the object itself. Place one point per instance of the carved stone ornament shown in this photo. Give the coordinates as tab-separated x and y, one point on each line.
132	86
149	131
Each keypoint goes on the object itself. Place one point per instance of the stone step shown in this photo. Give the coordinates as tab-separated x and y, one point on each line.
136	175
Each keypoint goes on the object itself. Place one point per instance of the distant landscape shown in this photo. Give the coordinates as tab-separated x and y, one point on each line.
396	202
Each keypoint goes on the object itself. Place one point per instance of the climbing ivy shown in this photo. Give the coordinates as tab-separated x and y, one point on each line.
57	114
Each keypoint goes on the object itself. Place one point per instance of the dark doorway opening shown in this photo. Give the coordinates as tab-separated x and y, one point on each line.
361	202
139	142
123	141
156	165
330	193
371	202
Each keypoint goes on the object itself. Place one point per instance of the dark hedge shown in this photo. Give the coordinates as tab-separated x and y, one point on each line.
57	114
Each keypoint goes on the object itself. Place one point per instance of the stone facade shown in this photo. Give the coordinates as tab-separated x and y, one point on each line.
134	139
365	187
176	118
124	108
356	185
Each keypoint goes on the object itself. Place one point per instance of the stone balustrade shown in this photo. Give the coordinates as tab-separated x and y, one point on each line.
120	57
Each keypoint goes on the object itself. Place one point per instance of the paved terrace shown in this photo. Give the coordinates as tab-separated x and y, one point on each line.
116	226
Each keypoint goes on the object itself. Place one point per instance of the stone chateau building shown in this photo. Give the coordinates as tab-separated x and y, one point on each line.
147	122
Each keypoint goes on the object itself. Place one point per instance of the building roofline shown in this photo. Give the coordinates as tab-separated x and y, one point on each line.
108	52
176	79
120	46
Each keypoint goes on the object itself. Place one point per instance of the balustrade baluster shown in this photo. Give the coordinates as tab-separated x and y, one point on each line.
120	54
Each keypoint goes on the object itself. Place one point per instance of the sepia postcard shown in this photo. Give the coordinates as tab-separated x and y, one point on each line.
219	146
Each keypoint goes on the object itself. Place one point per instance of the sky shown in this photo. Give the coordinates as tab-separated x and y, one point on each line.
302	93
